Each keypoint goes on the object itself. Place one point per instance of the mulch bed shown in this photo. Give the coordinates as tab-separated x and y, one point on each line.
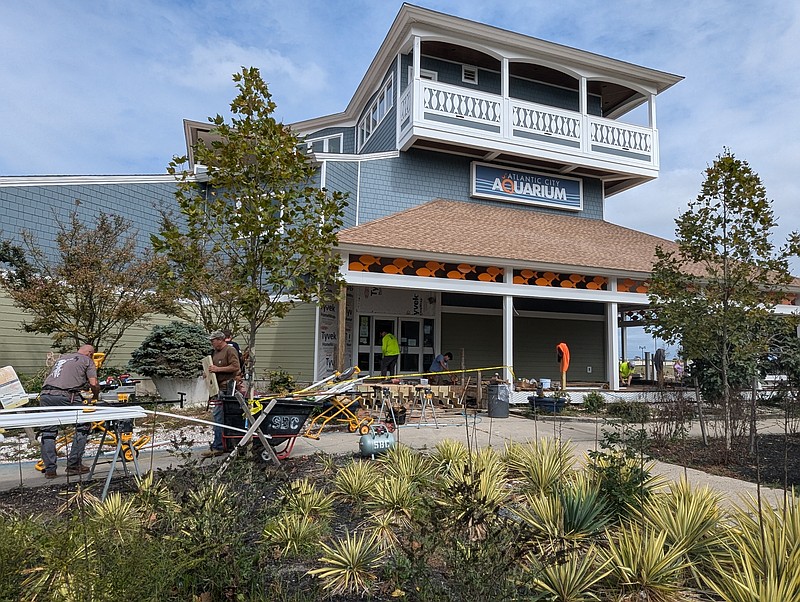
779	458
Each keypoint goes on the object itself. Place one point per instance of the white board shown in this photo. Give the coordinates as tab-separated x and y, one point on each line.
12	393
211	378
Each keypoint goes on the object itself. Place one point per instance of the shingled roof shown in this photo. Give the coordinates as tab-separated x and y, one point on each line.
507	233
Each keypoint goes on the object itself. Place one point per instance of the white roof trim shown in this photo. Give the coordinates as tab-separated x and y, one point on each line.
20	181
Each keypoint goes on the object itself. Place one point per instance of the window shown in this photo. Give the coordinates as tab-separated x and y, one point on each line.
469	74
423	74
379	108
328	144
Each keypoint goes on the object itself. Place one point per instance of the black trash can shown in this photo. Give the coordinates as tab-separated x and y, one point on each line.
497	401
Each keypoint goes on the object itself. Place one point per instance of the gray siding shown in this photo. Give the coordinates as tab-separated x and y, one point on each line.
342	176
475	338
385	137
417	177
450	73
480	339
39	208
535	341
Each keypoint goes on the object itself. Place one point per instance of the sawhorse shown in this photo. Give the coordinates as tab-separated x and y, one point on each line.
122	429
425	398
267	453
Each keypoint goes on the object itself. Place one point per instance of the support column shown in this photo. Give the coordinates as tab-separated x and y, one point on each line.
341	325
416	57
612	345
508	337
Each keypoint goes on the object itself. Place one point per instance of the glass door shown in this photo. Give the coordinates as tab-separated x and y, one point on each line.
411	345
415	336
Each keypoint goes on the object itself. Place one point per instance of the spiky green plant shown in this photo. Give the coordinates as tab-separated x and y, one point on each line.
473	493
394	498
691	519
66	567
303	498
349	564
642	567
448	454
407	464
116	518
573	580
762	554
566	521
382	526
290	536
541	464
355	480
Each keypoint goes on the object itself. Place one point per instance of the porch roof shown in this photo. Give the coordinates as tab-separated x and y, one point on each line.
535	238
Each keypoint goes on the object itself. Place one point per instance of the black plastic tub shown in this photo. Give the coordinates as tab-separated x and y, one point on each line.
547	404
285	420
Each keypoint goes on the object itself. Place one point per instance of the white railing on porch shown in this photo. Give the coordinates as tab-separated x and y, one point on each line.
490	116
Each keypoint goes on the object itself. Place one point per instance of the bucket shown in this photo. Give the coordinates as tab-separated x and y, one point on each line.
545	382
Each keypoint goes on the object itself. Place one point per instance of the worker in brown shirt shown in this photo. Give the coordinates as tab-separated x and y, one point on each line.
225	364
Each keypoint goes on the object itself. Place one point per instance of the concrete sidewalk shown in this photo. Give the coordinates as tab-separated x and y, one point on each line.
474	429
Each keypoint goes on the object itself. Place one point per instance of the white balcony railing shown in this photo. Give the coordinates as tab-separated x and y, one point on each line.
489	117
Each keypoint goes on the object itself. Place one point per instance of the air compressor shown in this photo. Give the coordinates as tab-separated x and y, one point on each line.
377	441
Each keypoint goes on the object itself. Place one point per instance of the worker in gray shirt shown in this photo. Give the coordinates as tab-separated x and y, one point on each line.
71	374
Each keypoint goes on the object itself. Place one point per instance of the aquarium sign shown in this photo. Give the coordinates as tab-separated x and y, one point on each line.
528	187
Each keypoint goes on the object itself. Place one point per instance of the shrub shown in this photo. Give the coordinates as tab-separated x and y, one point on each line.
172	351
630	411
594	402
281	382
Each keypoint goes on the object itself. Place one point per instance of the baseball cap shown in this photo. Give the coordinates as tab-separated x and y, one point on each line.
217	334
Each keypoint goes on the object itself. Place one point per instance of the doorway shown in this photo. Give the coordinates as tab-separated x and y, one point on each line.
415	336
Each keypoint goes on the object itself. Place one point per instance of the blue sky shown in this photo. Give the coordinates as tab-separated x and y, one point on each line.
101	87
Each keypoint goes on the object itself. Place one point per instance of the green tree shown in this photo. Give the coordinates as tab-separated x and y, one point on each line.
715	293
91	289
258	235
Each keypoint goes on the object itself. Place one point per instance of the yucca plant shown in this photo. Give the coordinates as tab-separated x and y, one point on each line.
762	554
473	493
568	520
290	536
691	519
349	564
573	580
749	582
448	454
641	566
66	567
303	498
541	464
394	498
406	464
155	501
382	526
116	518
355	480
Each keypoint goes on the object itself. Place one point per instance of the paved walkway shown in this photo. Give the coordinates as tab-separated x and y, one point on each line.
474	429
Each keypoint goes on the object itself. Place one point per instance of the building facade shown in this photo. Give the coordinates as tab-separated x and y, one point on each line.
477	163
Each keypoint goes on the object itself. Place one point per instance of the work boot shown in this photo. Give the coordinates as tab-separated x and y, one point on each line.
77	470
50	474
